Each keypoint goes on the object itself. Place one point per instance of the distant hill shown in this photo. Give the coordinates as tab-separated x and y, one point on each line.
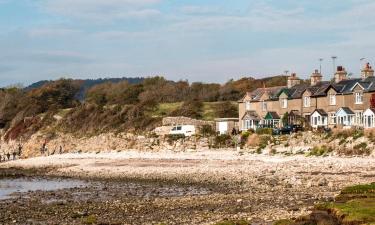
88	83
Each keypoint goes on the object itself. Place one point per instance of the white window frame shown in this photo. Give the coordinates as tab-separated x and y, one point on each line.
359	118
358	98
264	106
248	105
332	118
306	101
284	103
332	99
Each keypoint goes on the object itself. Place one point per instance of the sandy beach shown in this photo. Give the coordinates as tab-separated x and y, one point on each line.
239	185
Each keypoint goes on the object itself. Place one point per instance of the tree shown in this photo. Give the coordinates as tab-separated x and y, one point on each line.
285	119
226	110
192	109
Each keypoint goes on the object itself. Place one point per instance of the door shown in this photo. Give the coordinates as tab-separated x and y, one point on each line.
223	127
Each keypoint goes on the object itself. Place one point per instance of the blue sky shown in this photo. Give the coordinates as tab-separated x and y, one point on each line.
198	40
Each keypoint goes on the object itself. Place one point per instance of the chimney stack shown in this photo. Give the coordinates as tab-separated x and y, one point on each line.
340	74
293	80
367	71
316	78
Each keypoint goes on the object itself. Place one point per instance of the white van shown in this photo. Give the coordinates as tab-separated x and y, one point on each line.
187	130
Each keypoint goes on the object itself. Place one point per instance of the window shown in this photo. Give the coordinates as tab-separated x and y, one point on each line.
247	124
332	117
359	118
284	103
332	99
358	98
264	106
248	106
306	101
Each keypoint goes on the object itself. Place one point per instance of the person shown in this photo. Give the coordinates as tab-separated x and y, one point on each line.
14	155
8	156
19	150
0	159
61	150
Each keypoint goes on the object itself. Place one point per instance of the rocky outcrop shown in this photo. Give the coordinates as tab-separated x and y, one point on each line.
103	143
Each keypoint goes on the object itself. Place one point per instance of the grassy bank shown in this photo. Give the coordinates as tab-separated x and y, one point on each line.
353	206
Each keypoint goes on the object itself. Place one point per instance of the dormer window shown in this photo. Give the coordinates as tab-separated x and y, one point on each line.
248	106
332	99
358	98
306	101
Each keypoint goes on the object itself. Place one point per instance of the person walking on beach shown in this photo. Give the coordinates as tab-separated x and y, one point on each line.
61	150
8	156
14	155
19	150
44	148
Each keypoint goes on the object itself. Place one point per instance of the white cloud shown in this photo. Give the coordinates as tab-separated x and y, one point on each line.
102	10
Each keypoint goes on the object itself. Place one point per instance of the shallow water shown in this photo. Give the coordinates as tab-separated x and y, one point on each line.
11	186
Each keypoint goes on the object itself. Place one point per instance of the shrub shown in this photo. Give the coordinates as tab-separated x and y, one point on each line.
261	131
357	134
342	141
89	220
223	140
226	109
207	130
171	138
320	151
361	149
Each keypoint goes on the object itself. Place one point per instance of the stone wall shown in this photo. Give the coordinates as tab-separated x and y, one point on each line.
170	121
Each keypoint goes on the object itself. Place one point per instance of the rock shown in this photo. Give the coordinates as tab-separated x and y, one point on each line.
322	182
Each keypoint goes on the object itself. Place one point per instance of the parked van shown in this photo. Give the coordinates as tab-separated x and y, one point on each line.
187	130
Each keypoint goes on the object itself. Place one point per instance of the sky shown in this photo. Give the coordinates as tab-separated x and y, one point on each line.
195	40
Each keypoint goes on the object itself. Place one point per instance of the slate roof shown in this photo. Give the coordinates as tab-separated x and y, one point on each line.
296	91
347	110
273	92
320	89
251	115
273	115
321	112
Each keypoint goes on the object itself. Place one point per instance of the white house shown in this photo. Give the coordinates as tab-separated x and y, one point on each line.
250	120
369	118
319	118
345	116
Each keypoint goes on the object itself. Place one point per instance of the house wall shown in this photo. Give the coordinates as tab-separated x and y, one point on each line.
242	109
313	104
321	102
230	125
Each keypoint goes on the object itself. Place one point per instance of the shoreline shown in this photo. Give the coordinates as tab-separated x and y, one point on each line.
254	187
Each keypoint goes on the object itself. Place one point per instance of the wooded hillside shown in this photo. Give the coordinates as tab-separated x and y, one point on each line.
117	104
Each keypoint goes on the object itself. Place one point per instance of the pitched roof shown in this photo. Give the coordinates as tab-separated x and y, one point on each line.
372	110
347	110
273	92
320	89
321	112
251	115
272	116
